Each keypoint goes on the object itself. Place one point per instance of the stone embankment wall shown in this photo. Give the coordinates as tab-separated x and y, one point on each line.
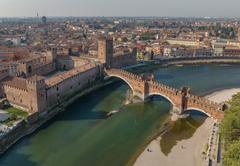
60	91
197	60
24	128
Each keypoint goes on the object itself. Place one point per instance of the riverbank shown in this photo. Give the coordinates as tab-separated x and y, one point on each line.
30	128
24	128
223	95
181	61
183	154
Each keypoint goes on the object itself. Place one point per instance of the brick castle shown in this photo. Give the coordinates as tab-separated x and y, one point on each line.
43	81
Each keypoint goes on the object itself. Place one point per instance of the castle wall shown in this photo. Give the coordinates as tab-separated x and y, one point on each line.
4	73
123	60
17	96
40	64
36	94
65	63
68	87
45	69
39	69
70	62
78	61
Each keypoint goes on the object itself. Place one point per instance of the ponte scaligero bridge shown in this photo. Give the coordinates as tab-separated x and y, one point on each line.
180	99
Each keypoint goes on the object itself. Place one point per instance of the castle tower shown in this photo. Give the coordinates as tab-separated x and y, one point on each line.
105	51
51	55
37	94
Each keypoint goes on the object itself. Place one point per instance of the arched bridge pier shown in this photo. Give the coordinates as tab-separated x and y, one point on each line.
181	99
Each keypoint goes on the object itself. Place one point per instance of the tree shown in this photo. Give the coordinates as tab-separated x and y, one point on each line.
147	36
230	132
232	156
230	127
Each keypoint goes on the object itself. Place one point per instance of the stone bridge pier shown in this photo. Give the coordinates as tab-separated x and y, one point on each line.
181	101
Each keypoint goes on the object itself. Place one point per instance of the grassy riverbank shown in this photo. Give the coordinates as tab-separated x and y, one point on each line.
15	114
230	133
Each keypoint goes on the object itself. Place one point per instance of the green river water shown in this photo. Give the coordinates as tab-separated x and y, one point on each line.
83	136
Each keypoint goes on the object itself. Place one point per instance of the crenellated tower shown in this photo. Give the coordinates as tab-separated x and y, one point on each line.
37	94
105	50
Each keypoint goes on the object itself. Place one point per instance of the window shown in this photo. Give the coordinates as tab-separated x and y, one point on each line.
29	69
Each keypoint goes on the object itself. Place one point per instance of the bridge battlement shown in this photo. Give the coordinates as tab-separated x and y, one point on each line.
181	99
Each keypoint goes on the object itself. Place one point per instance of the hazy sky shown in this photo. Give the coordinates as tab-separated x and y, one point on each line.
181	8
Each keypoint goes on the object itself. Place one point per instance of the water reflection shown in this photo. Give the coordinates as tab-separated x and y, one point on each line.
82	135
182	129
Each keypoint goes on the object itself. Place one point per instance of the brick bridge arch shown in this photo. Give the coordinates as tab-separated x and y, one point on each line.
181	99
162	95
124	79
199	110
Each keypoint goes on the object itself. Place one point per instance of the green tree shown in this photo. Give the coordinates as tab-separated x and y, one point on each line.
230	127
232	155
230	132
147	36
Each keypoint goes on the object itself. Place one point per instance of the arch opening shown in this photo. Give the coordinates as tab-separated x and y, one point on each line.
189	110
29	69
163	96
64	67
123	79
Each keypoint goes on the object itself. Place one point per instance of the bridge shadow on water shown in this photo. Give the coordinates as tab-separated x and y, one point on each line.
182	129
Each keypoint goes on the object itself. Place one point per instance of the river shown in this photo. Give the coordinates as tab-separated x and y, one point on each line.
83	136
